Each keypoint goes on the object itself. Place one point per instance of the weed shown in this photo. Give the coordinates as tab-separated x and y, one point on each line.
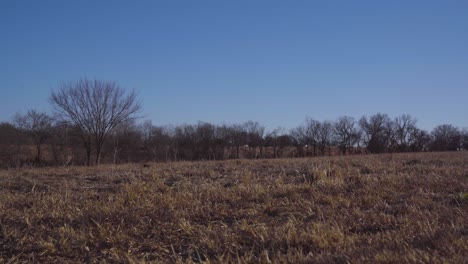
356	209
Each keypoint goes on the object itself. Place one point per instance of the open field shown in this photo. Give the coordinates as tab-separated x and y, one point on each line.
401	208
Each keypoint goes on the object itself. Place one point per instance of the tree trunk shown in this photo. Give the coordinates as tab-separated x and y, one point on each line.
98	155
167	153
88	155
116	150
87	145
38	156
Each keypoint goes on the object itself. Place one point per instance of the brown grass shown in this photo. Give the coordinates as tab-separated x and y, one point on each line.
406	208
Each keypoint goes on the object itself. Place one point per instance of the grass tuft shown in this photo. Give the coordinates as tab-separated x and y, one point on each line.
408	208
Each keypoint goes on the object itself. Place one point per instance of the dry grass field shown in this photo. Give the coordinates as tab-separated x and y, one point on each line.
401	208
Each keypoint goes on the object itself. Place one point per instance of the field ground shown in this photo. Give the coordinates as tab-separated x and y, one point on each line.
401	208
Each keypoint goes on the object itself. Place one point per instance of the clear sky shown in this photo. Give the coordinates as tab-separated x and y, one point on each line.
275	62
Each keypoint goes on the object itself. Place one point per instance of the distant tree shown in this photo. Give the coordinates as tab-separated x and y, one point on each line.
125	142
173	150
9	134
325	137
146	130
149	139
377	131
300	139
404	128
11	140
284	141
185	142
420	140
38	127
273	139
465	139
156	141
62	142
221	142
224	136
163	139
445	138
95	108
238	137
345	132
313	133
255	133
205	140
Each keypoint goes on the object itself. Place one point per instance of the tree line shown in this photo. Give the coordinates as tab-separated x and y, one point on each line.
96	121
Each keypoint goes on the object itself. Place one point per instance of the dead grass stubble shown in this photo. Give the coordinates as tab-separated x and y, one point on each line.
364	209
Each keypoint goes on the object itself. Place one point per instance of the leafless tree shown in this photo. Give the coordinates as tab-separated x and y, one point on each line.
465	139
11	140
421	140
273	139
205	141
345	130
238	136
224	134
62	143
377	131
95	108
445	138
404	127
156	141
124	143
38	126
313	133
300	140
255	133
172	150
325	137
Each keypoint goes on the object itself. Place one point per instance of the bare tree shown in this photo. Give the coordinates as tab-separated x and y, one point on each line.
205	138
465	139
185	142
95	108
255	133
124	143
325	136
313	133
224	134
377	132
156	141
239	137
404	127
274	138
445	138
61	143
420	140
11	140
299	136
345	131
173	141
284	141
38	126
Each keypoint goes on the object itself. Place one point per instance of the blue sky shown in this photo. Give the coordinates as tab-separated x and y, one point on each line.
275	62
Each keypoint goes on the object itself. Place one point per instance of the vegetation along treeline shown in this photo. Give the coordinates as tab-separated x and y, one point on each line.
96	121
